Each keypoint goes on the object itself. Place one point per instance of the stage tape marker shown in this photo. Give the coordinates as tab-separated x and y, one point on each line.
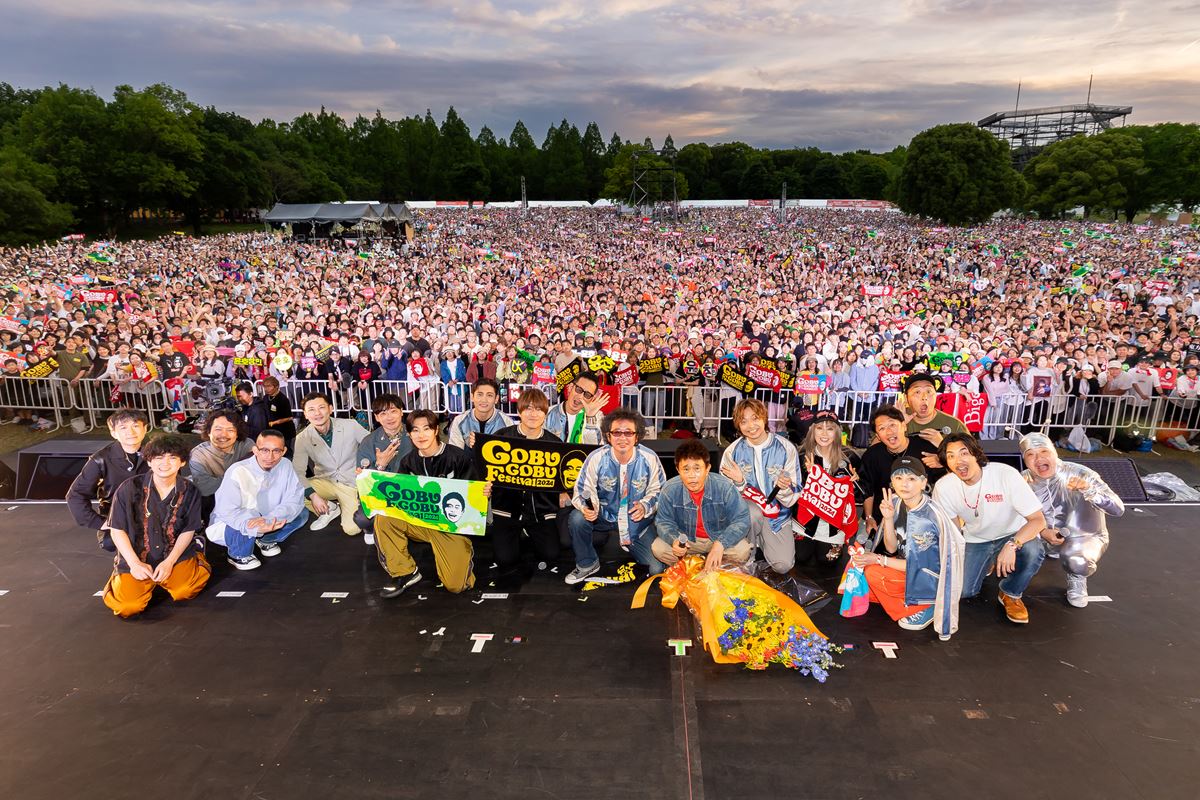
12	508
847	646
477	602
975	713
5	591
425	631
440	631
480	639
1099	598
889	648
422	597
680	645
494	596
334	595
230	594
99	593
514	640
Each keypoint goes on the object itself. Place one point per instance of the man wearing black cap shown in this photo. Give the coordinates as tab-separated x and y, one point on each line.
892	442
924	419
919	579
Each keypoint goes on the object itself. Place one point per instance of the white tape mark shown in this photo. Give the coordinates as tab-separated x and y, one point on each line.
494	595
230	594
440	631
889	648
99	593
12	508
422	597
425	631
477	602
479	640
5	591
1099	598
334	595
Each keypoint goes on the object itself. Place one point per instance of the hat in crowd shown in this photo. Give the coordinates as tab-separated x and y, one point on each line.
827	415
1086	367
1116	364
909	464
922	377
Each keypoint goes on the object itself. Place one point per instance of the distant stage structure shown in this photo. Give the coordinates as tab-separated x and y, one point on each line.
1028	130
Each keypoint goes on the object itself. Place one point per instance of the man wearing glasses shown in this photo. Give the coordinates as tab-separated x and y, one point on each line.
618	491
576	420
259	503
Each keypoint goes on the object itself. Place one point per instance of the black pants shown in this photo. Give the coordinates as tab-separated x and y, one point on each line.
505	533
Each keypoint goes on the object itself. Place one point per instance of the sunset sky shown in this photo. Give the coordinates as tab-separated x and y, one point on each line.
838	75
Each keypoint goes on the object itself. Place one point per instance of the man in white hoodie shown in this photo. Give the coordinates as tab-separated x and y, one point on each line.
260	502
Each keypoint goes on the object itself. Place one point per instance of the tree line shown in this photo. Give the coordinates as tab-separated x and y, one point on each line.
71	160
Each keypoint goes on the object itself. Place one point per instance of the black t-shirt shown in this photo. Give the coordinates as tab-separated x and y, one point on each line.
449	462
876	471
173	365
128	515
279	407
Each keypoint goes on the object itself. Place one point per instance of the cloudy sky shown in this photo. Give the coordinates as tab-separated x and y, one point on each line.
778	73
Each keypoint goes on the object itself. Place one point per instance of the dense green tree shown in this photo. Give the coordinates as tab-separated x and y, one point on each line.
959	174
1096	172
25	212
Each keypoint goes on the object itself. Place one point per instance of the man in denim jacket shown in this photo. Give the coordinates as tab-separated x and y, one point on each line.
700	513
617	490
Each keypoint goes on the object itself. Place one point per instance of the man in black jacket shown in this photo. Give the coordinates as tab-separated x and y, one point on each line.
255	411
107	469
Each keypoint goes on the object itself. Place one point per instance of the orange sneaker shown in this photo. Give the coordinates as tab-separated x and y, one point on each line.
1014	609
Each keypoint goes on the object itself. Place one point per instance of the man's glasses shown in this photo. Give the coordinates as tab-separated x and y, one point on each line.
622	433
270	451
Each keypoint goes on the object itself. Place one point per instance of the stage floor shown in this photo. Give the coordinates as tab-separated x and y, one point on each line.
281	693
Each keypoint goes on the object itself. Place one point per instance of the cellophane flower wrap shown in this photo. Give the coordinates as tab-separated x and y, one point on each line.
744	621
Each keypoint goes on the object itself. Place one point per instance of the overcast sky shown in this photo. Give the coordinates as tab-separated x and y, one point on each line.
838	75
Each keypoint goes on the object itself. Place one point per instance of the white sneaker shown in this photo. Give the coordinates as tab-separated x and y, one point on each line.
245	562
369	538
268	549
1077	594
321	522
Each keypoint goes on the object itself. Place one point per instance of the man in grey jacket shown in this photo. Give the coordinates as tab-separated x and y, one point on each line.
225	444
330	447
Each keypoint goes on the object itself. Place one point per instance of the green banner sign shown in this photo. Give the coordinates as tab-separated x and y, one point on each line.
444	504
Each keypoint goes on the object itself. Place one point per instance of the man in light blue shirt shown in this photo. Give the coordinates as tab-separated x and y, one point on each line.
260	502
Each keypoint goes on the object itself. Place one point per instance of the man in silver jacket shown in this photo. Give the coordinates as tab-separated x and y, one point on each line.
1077	503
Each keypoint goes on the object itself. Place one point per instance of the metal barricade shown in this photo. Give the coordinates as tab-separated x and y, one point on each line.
46	398
95	397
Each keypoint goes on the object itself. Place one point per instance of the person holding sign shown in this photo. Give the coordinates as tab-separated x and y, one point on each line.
259	503
483	417
700	513
534	512
617	490
330	446
817	542
919	581
762	465
383	449
452	553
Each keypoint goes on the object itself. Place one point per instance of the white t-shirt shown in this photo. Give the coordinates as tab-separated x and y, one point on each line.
991	509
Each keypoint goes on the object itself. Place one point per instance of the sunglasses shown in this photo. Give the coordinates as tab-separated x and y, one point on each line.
622	434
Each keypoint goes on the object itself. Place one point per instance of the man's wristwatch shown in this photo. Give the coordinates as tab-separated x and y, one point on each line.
1013	542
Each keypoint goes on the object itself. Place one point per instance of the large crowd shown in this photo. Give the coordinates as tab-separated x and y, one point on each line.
1028	312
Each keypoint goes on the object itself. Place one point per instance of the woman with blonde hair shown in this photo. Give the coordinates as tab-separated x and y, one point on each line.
817	542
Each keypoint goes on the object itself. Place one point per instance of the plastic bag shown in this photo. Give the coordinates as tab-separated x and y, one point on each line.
856	594
1078	440
742	620
811	597
1183	492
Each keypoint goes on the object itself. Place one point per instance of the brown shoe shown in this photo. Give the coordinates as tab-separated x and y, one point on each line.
1014	609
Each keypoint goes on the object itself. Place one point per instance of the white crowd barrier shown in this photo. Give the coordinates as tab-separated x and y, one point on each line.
706	408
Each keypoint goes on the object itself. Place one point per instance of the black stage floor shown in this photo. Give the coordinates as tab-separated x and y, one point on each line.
281	693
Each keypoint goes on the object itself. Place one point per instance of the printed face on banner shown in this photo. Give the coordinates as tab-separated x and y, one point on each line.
444	504
530	465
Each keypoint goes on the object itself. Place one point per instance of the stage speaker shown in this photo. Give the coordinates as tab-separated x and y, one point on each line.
45	471
8	482
1120	474
1004	451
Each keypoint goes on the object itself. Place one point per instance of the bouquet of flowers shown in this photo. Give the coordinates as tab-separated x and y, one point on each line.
744	621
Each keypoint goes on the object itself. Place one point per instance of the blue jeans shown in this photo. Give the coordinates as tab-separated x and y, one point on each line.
981	556
240	545
585	548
